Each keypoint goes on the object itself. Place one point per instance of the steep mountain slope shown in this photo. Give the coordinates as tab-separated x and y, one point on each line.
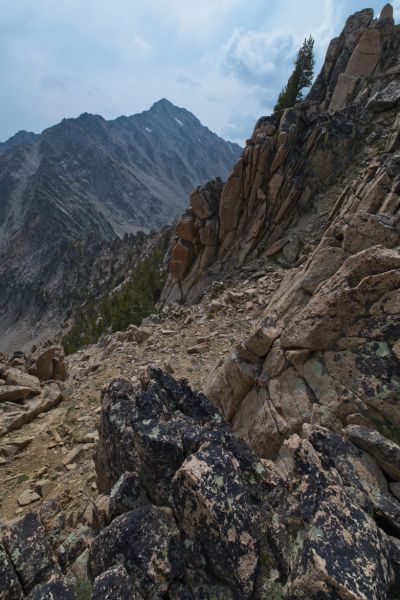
81	183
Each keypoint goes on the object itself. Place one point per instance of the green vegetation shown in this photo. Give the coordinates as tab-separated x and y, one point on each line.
132	302
22	478
301	77
83	589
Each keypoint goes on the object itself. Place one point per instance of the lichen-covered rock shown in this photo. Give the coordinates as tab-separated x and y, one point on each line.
361	569
160	430
364	481
127	494
147	543
314	524
29	551
59	588
386	452
10	587
150	431
214	510
340	552
118	448
114	584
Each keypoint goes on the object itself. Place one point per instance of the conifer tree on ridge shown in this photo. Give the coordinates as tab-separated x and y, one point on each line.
300	78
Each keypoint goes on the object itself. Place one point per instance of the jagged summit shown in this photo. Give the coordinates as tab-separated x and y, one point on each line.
162	104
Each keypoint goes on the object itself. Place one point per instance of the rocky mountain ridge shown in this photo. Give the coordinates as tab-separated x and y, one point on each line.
280	478
77	187
21	137
291	161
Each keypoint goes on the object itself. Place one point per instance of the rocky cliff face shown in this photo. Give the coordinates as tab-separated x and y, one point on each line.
292	168
80	184
326	350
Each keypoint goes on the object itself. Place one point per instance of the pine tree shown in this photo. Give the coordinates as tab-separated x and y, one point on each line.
301	77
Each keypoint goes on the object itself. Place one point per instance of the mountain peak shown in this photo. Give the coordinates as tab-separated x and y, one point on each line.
162	104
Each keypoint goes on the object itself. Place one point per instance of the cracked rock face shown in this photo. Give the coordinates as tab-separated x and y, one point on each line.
299	528
147	543
335	347
29	551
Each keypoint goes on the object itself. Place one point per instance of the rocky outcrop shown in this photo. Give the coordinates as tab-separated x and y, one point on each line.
48	363
238	516
327	348
319	522
35	384
292	161
287	160
29	550
29	564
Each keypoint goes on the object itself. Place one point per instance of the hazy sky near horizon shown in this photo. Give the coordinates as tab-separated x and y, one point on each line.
224	60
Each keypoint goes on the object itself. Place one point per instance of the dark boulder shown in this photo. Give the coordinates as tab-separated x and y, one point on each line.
147	543
10	588
58	588
29	550
150	430
127	494
214	509
114	584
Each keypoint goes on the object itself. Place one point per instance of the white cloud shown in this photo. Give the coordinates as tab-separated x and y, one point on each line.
142	46
396	10
196	18
255	53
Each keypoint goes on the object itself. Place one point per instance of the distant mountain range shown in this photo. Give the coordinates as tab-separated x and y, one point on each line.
81	184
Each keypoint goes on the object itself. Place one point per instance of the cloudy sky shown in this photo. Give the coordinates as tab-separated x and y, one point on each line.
225	60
